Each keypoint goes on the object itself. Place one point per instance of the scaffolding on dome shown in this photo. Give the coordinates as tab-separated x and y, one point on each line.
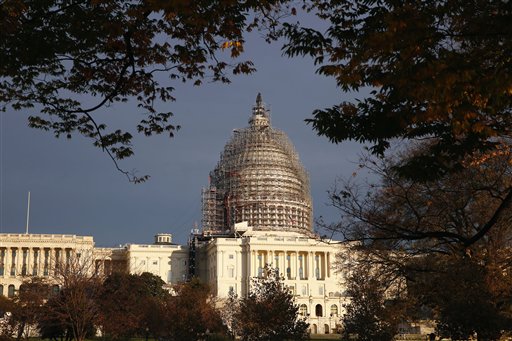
259	180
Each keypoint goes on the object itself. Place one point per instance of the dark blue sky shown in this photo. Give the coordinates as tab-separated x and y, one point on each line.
76	190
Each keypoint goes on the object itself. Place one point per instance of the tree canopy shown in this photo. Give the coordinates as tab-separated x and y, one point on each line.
269	312
191	313
443	245
65	62
421	69
125	301
457	213
367	316
436	70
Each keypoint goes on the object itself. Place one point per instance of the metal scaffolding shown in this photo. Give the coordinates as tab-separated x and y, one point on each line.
259	179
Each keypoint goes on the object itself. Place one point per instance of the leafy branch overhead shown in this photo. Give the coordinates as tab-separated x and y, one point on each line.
422	69
65	62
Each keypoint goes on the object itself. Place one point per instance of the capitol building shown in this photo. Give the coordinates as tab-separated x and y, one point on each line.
256	212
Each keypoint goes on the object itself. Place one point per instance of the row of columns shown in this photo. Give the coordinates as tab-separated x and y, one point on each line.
34	261
292	264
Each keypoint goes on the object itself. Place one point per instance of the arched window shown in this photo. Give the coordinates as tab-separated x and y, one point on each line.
318	310
326	328
10	291
303	310
314	329
334	310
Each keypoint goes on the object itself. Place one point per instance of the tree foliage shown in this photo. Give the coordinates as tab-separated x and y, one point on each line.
269	312
448	238
191	313
467	297
458	213
435	70
423	69
124	302
369	316
28	305
66	62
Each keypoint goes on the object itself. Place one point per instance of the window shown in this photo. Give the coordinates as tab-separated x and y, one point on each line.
24	262
334	310
231	271
46	262
303	310
231	290
13	265
304	290
231	257
318	310
10	291
326	328
142	262
36	261
321	290
1	290
155	262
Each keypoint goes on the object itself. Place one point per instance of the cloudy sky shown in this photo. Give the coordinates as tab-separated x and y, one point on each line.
76	190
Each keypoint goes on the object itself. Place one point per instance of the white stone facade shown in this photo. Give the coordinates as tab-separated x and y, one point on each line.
306	264
24	255
226	263
258	208
169	262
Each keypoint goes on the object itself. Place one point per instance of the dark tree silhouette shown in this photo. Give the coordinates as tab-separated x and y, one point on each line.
269	312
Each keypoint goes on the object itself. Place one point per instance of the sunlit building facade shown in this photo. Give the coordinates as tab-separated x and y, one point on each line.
257	213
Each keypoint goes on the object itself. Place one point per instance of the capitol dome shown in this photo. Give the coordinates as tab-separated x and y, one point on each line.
258	180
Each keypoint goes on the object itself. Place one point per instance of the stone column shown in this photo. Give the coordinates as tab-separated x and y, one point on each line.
40	255
254	260
52	262
295	260
286	263
311	266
